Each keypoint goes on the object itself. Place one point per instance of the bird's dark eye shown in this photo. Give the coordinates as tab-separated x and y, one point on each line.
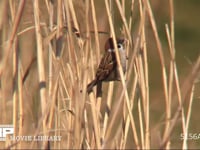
119	46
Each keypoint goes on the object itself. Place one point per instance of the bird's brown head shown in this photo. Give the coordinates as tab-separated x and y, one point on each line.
109	45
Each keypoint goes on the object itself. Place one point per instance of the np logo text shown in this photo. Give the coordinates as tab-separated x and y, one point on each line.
5	130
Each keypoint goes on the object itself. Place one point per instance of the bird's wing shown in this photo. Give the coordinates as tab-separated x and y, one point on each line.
106	66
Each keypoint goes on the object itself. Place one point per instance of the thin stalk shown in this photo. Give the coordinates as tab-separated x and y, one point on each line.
108	108
15	87
146	80
186	88
95	120
12	36
185	146
124	21
41	69
134	93
21	102
122	76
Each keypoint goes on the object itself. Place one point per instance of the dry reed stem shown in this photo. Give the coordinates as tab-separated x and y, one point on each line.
41	69
173	72
16	88
172	52
86	129
122	76
111	124
51	91
141	125
73	62
64	87
161	56
72	10
124	21
59	18
15	75
58	123
186	88
144	100
136	47
2	17
95	30
97	47
95	120
108	108
53	104
73	56
159	46
21	102
94	107
146	80
131	17
12	36
171	8
127	123
185	146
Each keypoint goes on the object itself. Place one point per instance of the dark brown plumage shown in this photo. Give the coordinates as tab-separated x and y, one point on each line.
107	69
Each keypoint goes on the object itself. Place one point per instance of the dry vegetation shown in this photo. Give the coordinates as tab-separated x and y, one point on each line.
49	53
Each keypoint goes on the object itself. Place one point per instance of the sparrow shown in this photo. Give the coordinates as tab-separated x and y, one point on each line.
108	67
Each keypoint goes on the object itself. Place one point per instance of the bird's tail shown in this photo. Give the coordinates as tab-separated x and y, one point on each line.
91	85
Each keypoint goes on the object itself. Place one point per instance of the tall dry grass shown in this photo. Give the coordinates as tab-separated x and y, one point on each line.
49	53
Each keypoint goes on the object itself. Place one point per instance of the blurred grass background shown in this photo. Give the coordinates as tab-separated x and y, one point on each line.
187	39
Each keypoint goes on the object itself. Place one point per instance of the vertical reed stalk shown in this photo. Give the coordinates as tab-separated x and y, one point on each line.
16	86
185	146
146	80
122	76
12	36
21	102
120	117
41	69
